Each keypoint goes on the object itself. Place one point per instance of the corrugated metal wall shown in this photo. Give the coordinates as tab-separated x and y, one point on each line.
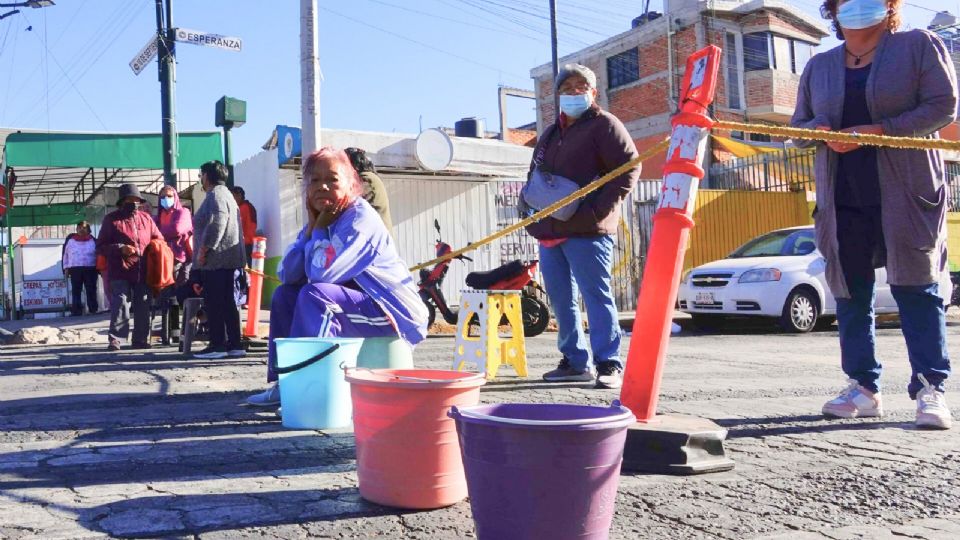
465	210
725	220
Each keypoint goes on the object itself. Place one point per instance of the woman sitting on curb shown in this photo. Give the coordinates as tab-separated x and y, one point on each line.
342	277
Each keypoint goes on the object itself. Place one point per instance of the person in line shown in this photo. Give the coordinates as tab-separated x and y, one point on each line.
124	236
576	255
882	207
342	276
176	226
80	265
248	220
374	191
218	254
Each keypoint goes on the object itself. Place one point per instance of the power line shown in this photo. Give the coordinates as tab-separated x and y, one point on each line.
921	7
62	84
422	44
105	33
458	21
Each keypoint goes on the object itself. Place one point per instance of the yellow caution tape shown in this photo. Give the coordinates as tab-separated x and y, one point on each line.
912	143
592	186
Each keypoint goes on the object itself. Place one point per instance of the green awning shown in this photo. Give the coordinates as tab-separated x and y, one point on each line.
43	215
107	150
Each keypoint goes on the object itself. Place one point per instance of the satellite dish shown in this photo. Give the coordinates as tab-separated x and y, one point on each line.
434	149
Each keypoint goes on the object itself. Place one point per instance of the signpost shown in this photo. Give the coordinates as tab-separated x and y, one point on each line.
145	56
206	39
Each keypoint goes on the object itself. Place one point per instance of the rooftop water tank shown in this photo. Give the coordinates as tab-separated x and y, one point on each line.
469	127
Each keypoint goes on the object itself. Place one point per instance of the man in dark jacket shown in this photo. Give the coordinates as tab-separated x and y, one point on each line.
124	236
576	255
374	191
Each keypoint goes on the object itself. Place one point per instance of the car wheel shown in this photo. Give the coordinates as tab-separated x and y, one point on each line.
800	312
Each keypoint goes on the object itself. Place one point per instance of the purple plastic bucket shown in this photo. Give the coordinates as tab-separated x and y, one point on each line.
542	471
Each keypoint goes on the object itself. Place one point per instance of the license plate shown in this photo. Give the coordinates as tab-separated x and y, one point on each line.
704	298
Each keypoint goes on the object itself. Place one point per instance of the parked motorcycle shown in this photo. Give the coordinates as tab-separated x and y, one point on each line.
513	276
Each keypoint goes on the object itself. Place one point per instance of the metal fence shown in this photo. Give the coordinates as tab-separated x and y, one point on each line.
953	186
785	170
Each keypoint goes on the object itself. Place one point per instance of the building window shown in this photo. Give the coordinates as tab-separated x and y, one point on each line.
623	68
759	137
733	73
758	51
800	54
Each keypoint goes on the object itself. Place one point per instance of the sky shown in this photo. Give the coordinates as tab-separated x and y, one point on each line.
388	65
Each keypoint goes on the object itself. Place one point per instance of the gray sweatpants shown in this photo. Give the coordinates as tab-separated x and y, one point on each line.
122	294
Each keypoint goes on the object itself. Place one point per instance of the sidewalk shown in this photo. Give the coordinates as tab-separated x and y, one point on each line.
137	444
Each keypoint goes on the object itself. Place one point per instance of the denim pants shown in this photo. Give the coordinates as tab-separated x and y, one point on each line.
922	315
323	310
582	266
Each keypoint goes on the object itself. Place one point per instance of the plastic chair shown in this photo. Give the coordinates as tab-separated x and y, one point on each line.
488	351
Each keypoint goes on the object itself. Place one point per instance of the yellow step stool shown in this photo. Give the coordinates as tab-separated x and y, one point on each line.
488	351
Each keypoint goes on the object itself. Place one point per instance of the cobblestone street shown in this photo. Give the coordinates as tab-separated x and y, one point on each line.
135	444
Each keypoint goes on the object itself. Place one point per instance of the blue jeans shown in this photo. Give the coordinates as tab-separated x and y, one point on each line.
582	266
922	315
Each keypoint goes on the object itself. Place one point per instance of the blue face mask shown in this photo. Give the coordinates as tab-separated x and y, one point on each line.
860	14
574	106
166	202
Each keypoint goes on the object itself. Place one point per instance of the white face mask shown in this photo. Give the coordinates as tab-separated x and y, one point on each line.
860	14
576	104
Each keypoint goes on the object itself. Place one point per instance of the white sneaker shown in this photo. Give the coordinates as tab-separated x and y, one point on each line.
854	401
932	410
268	398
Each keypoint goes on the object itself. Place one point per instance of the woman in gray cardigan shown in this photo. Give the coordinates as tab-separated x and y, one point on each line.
218	253
881	207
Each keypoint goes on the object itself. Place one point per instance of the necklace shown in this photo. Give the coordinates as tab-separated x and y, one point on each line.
857	57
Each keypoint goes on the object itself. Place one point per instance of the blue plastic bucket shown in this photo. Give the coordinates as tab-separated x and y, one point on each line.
385	353
313	391
542	470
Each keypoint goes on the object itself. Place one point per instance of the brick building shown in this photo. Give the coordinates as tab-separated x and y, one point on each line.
766	44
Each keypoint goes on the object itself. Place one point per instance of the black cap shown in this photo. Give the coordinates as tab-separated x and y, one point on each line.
129	190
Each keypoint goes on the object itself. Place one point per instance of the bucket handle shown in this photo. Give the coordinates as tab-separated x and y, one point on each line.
625	413
309	361
401	377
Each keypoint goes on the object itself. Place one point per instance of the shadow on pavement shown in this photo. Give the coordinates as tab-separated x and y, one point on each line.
811	423
190	514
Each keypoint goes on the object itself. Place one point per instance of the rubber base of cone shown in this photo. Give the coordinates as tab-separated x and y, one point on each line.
676	444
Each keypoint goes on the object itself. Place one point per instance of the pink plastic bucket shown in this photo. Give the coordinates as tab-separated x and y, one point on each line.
408	454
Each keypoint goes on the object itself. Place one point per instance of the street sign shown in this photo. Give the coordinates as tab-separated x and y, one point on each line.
145	56
206	39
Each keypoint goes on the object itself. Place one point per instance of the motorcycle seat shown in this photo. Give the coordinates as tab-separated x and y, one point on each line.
486	280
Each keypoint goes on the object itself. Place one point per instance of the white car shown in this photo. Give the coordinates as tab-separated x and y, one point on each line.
779	275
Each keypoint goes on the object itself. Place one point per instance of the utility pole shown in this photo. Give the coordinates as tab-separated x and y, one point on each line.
553	57
310	77
166	64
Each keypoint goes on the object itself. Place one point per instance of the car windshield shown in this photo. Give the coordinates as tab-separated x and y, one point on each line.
777	244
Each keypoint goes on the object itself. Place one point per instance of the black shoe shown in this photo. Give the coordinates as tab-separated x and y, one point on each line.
211	353
114	345
609	375
143	345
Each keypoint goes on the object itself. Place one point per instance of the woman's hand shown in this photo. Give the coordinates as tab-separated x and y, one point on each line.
202	256
127	250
